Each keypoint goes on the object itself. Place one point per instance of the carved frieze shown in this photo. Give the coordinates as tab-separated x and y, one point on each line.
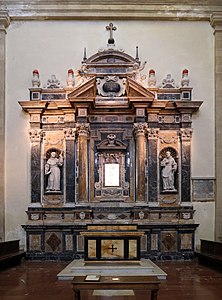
152	118
53	120
168	138
53	138
169	119
35	118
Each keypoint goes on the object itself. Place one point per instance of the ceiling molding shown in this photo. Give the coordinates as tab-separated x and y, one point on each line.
170	10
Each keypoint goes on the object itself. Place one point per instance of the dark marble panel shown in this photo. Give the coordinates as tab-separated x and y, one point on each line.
185	172
35	173
152	170
203	189
46	96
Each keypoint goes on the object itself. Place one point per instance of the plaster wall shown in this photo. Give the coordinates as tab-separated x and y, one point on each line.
53	47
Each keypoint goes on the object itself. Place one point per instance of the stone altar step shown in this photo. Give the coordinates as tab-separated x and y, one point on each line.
144	267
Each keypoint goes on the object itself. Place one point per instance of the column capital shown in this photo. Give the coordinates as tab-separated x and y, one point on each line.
216	22
153	133
140	128
185	134
83	129
36	135
69	133
4	20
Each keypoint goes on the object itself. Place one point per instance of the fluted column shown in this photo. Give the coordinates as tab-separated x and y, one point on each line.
185	139
83	176
216	22
4	23
70	134
152	134
140	131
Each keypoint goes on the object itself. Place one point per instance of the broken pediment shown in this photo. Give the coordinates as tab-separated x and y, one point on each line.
111	143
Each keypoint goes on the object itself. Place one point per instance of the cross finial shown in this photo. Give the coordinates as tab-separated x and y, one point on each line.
111	28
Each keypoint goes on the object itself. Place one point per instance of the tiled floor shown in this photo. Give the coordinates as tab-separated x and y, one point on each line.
37	280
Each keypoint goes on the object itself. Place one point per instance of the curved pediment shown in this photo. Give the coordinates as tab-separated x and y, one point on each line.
111	57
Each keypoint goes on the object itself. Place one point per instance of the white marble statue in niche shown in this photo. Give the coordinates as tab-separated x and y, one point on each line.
53	171
169	168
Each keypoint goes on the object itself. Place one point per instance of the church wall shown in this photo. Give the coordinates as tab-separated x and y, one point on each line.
54	47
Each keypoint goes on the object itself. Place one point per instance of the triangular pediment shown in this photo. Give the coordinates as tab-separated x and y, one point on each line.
134	91
137	90
86	89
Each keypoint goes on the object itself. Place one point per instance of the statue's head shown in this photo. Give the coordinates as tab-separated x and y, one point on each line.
168	154
53	154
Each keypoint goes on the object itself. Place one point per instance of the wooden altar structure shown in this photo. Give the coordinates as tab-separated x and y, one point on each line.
98	150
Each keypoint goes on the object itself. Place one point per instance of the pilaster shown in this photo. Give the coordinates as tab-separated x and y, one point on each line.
152	163
216	22
185	138
36	136
4	23
83	170
70	136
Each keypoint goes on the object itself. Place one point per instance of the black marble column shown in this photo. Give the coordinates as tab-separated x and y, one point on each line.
70	165
185	136
152	164
35	137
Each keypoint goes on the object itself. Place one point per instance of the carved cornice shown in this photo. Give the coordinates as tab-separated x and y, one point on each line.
4	20
216	22
123	9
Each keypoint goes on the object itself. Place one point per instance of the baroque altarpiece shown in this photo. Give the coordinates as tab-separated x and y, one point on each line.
112	147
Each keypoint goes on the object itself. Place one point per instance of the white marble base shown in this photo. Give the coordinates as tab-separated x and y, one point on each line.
144	267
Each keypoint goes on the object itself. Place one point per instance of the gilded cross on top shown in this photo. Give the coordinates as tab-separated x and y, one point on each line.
111	28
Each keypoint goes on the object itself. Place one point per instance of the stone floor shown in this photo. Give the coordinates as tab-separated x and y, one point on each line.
38	280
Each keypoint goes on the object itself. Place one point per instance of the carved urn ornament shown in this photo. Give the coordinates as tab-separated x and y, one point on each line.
152	78
35	78
185	79
70	79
